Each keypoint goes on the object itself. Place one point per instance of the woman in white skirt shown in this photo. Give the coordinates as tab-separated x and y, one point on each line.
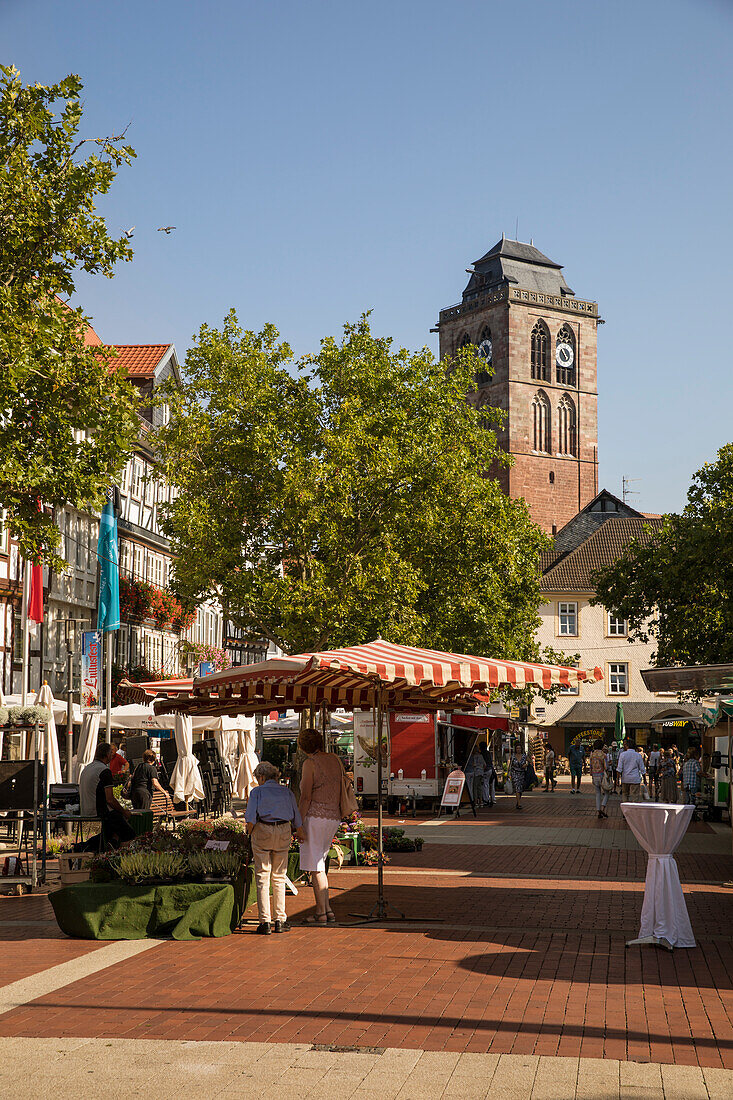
320	808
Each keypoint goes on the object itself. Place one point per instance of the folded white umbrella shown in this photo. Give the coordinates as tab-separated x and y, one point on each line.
245	782
44	698
186	781
88	740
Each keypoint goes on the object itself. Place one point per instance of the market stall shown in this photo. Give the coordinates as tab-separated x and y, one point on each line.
379	675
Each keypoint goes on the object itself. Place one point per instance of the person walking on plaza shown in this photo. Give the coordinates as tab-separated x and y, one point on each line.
489	789
575	759
630	768
272	815
518	770
691	775
655	759
475	770
550	781
320	808
598	771
668	777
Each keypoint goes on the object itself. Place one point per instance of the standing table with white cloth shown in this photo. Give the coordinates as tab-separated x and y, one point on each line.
659	828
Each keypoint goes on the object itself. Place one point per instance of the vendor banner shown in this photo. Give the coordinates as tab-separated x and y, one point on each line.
91	670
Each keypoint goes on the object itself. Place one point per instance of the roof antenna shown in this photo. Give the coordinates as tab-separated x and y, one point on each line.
531	241
516	230
627	492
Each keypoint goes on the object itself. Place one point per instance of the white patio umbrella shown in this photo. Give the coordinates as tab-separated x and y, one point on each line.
44	698
245	781
226	741
186	782
88	739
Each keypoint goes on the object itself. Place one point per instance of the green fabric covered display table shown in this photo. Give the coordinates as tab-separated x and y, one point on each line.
116	911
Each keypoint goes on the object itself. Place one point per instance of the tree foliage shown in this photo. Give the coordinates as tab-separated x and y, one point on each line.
66	418
346	499
677	588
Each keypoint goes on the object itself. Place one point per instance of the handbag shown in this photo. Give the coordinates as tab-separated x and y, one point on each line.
347	803
606	783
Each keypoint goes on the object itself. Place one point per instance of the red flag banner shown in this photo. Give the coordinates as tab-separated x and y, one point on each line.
35	600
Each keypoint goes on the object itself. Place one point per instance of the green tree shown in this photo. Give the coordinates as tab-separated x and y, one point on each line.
67	418
677	587
346	499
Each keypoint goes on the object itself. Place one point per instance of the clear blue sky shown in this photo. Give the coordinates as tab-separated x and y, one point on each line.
323	158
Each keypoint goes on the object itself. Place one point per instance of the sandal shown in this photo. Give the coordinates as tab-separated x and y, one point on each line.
317	918
330	916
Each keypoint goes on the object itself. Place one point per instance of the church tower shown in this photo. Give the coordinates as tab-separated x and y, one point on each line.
539	343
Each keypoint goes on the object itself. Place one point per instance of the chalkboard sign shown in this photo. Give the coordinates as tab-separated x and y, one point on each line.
16	784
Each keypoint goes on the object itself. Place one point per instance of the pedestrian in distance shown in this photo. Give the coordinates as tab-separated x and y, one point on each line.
630	768
575	759
667	777
655	760
550	781
489	788
320	808
598	772
272	815
691	771
475	770
518	768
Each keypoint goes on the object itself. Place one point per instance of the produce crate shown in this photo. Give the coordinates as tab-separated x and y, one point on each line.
75	867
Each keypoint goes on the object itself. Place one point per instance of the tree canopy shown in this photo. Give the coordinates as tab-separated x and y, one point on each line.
677	588
344	497
66	418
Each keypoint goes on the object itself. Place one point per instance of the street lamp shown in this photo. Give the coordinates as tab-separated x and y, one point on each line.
70	628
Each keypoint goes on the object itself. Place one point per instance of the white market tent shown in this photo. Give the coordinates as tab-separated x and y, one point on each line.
135	716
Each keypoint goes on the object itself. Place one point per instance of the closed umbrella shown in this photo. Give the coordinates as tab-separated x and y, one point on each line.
619	732
225	743
245	781
44	698
186	781
88	739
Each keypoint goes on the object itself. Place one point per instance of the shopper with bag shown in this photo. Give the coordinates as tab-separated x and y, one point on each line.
326	797
271	816
599	775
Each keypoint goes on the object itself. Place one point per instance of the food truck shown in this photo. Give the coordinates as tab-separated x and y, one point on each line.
420	750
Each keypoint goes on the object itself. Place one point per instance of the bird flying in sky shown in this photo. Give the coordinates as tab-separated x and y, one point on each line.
129	232
166	228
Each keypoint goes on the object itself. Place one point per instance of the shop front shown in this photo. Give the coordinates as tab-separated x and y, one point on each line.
647	724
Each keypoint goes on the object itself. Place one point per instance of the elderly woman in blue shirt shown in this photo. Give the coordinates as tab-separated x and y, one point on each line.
272	816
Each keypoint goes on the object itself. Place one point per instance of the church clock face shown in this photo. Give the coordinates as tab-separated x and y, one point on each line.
485	349
564	355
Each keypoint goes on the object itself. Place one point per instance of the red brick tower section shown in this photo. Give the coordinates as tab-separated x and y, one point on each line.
539	342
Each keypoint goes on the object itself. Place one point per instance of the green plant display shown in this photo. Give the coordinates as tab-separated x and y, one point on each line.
4	717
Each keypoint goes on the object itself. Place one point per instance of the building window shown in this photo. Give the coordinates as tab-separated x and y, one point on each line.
567	426
567	619
540	356
125	478
541	422
618	679
137	479
138	568
565	358
617	628
4	539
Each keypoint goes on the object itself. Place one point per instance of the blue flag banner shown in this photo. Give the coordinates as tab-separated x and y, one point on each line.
108	612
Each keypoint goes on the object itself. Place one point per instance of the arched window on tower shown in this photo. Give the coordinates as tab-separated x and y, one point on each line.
541	422
485	350
567	428
565	356
540	352
463	341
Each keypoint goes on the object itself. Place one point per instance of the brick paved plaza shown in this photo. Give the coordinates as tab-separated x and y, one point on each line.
512	952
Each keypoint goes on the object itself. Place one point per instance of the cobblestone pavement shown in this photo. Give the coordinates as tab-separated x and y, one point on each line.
511	967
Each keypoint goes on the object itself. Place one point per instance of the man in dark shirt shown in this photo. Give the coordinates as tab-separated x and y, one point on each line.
115	818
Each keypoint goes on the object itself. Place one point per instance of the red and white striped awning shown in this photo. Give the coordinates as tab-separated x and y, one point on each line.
354	677
144	691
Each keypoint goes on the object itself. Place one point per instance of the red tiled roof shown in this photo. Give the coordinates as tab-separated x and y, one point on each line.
139	360
91	339
574	572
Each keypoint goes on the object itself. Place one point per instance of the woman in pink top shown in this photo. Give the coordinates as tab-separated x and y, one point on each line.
320	808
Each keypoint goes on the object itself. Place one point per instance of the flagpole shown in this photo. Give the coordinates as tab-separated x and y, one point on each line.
25	633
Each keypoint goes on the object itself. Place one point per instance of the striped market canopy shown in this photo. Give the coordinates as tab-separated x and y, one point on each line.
401	676
144	691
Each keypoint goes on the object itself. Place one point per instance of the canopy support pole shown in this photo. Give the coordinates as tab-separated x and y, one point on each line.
379	911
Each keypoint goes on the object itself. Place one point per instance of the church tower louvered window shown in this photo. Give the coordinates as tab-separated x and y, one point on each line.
541	422
567	426
540	352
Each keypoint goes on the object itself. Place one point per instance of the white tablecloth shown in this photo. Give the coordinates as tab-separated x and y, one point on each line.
659	828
